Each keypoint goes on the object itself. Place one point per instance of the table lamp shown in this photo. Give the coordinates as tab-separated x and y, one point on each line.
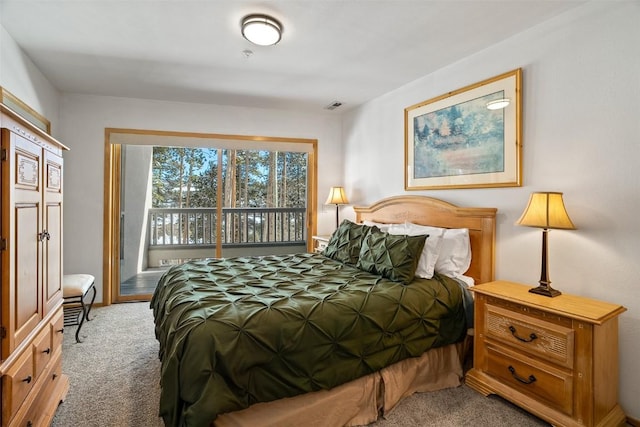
545	210
337	197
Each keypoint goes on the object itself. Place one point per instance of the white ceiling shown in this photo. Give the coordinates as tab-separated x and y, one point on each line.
192	51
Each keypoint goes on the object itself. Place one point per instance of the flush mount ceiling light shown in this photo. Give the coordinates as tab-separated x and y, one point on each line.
498	104
262	30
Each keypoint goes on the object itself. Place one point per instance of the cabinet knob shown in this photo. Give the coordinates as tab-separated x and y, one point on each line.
47	351
27	380
61	330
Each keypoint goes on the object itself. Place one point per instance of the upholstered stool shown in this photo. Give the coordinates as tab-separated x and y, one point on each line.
75	287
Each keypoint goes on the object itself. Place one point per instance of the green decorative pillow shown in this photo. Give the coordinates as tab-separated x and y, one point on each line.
392	256
344	244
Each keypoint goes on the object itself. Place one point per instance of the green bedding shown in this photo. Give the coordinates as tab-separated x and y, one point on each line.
238	331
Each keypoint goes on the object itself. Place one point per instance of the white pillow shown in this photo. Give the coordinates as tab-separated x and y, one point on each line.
454	256
429	255
381	226
455	253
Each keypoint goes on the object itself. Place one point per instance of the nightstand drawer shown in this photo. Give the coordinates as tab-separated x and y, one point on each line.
535	379
531	335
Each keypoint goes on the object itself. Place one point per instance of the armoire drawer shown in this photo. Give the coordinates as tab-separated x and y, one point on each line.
42	351
536	379
17	382
57	330
531	335
34	412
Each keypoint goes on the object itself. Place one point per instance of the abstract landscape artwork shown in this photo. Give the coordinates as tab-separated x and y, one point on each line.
456	141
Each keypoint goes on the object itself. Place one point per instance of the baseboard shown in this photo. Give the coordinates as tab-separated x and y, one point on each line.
633	422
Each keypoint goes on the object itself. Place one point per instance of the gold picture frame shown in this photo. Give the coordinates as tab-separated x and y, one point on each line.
32	116
456	141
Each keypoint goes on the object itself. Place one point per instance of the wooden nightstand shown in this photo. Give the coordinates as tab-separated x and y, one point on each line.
555	357
319	243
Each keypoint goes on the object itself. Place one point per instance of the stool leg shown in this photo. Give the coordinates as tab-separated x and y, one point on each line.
84	316
92	300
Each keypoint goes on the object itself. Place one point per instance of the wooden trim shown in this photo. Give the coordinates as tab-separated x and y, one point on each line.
312	195
219	203
147	132
633	422
32	133
111	234
111	237
423	210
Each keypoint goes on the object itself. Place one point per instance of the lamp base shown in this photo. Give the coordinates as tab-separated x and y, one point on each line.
545	290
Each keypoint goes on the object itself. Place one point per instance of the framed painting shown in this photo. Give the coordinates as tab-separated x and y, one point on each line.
26	112
468	138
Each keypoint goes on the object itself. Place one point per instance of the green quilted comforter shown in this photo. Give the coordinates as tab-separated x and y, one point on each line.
238	331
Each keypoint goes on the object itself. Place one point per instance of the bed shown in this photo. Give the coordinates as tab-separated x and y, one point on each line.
255	341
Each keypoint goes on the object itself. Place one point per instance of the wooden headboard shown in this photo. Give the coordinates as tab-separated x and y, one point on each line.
423	210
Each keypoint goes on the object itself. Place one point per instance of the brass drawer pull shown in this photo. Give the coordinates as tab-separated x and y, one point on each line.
27	380
532	336
529	380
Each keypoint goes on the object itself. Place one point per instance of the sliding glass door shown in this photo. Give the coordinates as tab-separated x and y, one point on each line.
182	203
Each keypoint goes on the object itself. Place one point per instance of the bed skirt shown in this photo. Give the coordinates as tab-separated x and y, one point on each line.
361	401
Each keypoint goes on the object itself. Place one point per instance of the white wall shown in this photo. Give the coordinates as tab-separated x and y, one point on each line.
581	136
24	80
84	118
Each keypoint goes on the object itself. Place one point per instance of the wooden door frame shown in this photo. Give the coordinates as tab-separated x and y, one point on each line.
112	194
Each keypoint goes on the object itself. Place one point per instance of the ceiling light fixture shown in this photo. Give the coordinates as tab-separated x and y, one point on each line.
498	104
262	30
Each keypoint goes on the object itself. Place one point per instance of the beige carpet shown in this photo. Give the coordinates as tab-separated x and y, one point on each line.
115	375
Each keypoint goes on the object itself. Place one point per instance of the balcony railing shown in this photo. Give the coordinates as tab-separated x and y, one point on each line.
197	227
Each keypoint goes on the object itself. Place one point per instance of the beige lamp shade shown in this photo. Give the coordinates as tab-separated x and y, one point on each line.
546	210
337	196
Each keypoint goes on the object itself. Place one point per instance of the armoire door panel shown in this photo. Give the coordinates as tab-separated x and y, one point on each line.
26	285
54	173
52	256
28	158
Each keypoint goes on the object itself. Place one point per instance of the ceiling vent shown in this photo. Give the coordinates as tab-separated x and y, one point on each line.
333	105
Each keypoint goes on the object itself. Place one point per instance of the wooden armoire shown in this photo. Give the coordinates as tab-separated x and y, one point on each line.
31	319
